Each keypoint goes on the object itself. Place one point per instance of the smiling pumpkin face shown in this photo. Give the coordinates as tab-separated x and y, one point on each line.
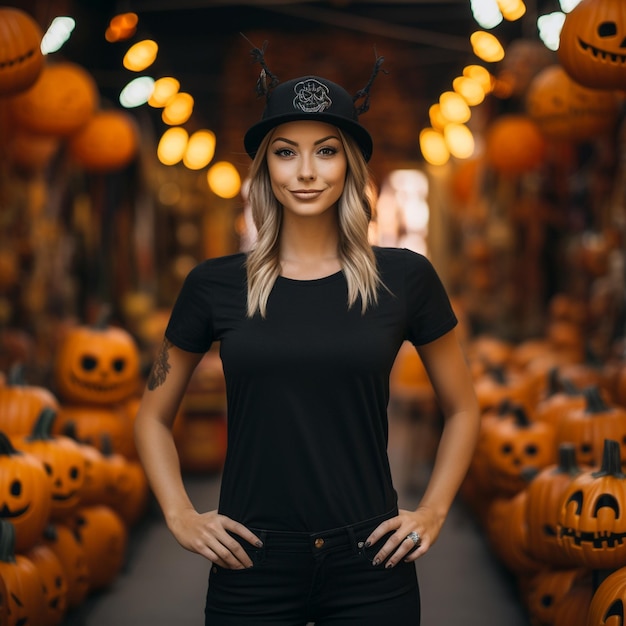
97	365
593	44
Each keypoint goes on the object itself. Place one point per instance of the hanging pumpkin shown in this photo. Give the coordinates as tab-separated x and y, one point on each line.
25	494
97	365
609	600
592	47
26	600
543	503
54	582
107	142
565	110
514	145
62	541
592	521
589	426
515	446
62	460
103	536
61	101
21	60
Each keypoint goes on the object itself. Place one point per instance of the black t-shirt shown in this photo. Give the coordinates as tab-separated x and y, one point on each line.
308	386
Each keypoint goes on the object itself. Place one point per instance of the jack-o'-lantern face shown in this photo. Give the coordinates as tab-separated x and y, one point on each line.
25	494
563	109
592	518
54	581
21	60
97	366
593	44
607	604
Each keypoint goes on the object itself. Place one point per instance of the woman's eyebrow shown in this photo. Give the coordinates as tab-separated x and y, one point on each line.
295	143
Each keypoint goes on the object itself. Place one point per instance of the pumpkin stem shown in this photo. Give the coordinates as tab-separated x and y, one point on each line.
6	447
570	388
7	542
104	317
595	402
611	461
42	430
554	383
520	415
567	460
16	377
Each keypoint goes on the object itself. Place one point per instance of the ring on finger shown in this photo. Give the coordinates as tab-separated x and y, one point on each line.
415	538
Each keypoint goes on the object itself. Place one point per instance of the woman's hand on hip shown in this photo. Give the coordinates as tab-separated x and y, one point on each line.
208	534
414	532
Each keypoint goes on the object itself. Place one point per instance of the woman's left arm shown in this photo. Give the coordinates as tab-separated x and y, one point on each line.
452	382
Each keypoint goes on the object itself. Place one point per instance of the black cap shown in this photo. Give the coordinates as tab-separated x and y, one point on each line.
309	98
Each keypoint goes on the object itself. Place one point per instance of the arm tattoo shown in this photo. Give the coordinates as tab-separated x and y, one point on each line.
161	366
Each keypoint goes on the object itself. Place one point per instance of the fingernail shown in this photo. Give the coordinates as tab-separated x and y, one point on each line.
368	544
375	562
389	565
259	544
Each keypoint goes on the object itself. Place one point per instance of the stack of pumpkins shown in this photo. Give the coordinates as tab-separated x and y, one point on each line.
71	486
547	481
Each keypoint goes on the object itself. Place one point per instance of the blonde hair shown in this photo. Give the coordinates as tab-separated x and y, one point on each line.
354	211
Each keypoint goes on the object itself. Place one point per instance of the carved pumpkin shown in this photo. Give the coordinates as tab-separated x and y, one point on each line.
61	101
559	397
515	446
62	541
107	142
609	601
592	46
563	109
21	60
21	404
62	460
25	494
103	536
572	609
544	494
97	365
592	519
546	590
22	580
54	582
514	145
587	427
89	423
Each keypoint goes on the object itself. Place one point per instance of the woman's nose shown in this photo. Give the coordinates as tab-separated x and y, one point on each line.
306	170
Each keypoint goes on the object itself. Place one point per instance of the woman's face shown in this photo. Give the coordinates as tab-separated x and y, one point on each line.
307	166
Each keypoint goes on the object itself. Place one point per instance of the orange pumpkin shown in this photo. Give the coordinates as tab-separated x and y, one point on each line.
592	523
61	101
564	109
31	153
514	145
97	365
25	494
572	608
22	580
592	47
21	60
62	541
547	589
63	461
54	582
103	536
608	600
107	142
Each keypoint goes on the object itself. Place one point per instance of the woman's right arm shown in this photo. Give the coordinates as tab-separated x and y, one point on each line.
204	533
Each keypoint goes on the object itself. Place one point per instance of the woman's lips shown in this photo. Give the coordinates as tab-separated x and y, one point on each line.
306	194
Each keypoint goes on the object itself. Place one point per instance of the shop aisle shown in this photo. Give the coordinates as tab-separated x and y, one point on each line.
164	585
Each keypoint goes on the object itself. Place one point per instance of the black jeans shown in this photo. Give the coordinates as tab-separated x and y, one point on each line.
326	578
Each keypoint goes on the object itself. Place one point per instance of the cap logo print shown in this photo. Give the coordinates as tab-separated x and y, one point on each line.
311	96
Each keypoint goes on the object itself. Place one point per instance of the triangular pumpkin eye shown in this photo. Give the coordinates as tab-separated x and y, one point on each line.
616	608
606	500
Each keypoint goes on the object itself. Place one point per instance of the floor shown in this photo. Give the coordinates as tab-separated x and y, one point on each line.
163	585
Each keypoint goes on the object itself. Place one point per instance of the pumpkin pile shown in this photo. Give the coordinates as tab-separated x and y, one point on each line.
548	480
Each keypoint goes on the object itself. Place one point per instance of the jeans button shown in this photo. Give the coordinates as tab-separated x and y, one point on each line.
319	542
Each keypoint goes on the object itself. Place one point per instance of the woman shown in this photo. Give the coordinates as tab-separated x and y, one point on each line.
309	324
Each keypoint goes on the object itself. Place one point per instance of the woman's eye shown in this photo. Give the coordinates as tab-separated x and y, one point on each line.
328	151
283	152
